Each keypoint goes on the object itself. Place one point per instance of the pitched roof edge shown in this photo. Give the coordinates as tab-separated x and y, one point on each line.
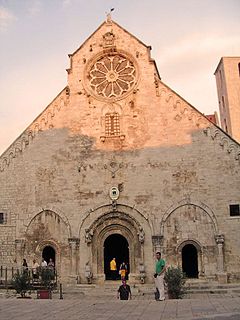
200	113
103	23
30	125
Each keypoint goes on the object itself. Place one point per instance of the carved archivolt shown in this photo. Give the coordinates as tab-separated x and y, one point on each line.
93	216
43	122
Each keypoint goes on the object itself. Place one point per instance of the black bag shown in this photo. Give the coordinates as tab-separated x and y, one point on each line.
155	275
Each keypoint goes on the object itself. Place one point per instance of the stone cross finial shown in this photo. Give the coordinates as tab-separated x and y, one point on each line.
109	17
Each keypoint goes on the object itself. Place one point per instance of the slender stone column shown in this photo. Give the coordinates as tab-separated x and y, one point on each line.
220	241
74	247
221	275
19	247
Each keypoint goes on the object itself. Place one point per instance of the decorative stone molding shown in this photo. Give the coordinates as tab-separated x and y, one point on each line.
182	108
74	247
189	201
113	166
88	236
224	141
54	210
220	260
220	239
74	241
111	75
114	205
108	39
43	122
141	235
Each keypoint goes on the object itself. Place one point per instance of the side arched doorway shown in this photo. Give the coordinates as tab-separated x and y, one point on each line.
190	260
49	252
115	246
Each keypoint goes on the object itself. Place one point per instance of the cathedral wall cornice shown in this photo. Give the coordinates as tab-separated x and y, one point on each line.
41	123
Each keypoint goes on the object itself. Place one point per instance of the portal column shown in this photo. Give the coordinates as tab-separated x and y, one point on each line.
74	248
19	247
221	275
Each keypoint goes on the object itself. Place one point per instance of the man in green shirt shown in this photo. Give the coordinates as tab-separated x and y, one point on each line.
159	276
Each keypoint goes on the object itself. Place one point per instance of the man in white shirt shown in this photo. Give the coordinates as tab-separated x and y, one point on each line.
44	263
35	270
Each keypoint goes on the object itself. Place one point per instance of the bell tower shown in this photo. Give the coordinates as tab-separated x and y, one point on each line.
228	87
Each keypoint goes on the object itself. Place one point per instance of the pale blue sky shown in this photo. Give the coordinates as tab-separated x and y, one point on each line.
188	38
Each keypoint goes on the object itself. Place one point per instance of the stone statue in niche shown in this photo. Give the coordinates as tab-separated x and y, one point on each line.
88	236
108	39
141	235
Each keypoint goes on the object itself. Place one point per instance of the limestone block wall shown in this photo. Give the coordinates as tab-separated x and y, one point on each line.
176	172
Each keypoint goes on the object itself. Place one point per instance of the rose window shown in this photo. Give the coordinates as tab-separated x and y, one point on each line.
112	76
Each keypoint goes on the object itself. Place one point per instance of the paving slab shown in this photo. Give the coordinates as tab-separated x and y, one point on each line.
75	307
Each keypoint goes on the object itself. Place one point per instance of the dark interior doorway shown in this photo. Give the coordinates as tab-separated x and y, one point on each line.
115	246
49	252
190	261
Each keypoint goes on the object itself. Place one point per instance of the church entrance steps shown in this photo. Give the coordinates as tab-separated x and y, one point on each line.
192	288
213	287
108	288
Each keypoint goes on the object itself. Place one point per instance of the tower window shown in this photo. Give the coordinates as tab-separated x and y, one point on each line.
223	102
1	218
239	69
225	125
112	124
220	72
234	210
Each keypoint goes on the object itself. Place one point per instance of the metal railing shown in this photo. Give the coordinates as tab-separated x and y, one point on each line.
7	275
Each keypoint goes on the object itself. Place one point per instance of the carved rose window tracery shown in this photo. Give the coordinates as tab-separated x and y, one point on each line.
112	76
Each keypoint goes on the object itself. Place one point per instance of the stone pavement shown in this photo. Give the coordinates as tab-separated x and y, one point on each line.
78	306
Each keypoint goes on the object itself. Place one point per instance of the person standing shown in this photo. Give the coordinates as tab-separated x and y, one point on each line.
25	266
123	270
51	264
159	277
113	268
44	263
124	291
35	269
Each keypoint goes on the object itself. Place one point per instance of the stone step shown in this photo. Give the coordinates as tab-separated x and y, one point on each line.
110	289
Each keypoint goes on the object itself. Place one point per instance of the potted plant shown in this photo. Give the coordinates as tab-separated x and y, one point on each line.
21	283
46	280
175	280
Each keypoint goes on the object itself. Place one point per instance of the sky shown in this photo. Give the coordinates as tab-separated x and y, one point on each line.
188	38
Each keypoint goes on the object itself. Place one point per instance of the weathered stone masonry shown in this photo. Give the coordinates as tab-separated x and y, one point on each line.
119	153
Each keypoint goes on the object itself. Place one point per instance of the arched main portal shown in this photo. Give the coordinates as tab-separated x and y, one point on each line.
49	252
115	246
190	260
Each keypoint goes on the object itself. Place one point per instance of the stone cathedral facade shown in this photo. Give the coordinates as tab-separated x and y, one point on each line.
119	165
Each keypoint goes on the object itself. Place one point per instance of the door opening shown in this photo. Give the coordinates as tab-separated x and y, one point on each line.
49	252
115	246
190	261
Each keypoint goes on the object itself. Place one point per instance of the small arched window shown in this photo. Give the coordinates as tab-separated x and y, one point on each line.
1	218
223	102
112	124
239	69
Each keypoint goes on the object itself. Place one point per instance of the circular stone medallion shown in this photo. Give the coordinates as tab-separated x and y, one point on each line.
111	76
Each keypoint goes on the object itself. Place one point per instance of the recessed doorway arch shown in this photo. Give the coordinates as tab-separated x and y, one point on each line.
115	246
49	252
190	260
